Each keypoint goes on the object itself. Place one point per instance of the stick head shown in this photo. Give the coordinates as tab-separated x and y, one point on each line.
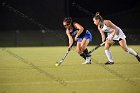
57	64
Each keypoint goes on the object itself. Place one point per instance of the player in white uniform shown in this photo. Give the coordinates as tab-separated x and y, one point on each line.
114	33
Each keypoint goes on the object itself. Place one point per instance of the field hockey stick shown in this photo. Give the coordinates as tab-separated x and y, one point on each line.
96	47
63	58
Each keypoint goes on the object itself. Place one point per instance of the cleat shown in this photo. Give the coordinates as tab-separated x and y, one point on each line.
88	60
109	63
138	57
87	63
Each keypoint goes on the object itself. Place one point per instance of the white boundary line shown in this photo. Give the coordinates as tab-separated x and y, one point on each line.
73	81
84	81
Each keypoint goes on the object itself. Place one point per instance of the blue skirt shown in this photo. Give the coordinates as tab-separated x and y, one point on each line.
86	36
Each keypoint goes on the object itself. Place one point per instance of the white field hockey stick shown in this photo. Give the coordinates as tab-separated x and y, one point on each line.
96	47
63	58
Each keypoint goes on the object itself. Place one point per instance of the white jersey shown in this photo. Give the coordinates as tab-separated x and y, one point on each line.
119	34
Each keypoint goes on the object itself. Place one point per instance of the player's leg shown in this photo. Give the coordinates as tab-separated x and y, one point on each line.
124	46
84	45
108	44
78	49
85	42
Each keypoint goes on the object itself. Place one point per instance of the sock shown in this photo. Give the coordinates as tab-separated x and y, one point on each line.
132	52
86	52
109	55
83	55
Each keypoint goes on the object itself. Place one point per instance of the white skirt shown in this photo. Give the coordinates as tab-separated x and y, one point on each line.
119	35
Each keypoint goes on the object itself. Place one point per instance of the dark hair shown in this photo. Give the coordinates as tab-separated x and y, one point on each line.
68	20
98	16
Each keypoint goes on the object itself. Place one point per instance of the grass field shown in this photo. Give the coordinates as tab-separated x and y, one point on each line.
33	70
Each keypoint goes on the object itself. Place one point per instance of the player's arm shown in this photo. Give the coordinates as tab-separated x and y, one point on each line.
102	34
111	25
81	29
70	38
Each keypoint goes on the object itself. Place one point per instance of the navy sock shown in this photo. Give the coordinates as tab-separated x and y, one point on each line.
86	53
83	55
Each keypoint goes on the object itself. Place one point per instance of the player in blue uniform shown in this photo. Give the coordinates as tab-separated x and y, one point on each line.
76	32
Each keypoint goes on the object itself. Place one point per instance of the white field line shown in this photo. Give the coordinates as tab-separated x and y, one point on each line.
73	81
116	79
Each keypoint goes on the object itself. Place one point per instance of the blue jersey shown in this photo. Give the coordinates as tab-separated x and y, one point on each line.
85	34
74	31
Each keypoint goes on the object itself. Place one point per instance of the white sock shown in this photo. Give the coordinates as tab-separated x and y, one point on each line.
109	55
132	52
88	59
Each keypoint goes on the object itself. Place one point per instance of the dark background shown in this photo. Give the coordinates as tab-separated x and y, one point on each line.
39	22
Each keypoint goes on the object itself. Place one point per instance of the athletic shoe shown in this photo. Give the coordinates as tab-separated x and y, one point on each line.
109	63
138	57
88	60
87	63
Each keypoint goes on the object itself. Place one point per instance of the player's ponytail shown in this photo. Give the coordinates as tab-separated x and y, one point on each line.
98	16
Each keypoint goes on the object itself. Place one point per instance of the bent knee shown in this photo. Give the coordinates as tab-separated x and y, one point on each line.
82	47
106	47
78	51
125	49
